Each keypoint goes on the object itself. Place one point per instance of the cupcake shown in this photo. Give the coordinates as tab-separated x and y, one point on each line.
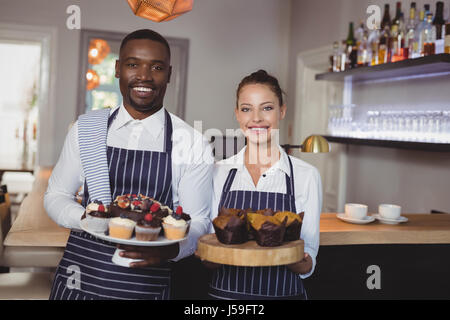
267	230
231	226
293	224
97	216
121	228
148	228
176	225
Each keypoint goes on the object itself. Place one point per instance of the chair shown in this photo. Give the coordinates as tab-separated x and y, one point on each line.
20	285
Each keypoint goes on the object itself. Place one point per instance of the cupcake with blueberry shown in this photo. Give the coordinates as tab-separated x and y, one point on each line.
97	216
176	224
148	228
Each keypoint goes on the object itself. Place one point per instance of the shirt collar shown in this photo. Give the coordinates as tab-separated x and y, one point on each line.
154	124
237	161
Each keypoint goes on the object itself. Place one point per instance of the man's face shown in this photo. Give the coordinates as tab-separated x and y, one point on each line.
143	70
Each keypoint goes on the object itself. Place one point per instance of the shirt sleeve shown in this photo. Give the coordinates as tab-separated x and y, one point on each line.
194	193
219	177
64	182
310	232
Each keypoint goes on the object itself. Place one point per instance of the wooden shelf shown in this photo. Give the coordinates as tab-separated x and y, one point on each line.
423	146
429	65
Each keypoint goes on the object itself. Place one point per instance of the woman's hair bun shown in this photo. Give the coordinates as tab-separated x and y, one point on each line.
262	77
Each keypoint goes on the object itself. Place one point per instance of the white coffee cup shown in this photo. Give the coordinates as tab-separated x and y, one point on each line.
389	211
355	210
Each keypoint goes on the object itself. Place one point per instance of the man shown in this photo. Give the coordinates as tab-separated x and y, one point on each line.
136	148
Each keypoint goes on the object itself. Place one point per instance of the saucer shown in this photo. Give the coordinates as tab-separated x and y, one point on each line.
367	219
390	221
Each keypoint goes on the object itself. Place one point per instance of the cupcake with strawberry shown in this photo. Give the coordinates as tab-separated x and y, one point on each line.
97	216
148	228
176	224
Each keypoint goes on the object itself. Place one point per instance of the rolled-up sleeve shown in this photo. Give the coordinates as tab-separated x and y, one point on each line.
64	182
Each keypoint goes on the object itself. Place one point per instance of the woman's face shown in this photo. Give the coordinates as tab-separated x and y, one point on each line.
259	113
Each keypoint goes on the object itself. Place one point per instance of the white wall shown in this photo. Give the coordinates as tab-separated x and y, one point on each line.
417	180
228	40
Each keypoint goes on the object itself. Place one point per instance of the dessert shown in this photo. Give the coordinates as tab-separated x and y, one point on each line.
176	225
267	230
231	226
148	228
97	216
293	224
121	227
134	207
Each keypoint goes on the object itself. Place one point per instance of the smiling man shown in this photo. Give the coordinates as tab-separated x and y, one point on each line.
129	149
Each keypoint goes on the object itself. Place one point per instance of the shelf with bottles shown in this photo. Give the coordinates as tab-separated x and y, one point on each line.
392	125
393	48
437	64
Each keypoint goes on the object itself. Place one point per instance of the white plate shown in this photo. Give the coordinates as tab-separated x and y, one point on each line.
390	221
161	241
367	219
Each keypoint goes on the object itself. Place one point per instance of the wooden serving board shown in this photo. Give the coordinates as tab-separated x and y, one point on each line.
249	254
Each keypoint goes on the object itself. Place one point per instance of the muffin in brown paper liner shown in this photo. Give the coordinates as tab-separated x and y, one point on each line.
231	226
293	224
267	230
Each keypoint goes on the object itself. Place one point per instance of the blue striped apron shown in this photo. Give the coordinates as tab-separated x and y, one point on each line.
130	171
258	283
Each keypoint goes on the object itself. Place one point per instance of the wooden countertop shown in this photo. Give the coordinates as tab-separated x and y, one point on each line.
419	229
34	228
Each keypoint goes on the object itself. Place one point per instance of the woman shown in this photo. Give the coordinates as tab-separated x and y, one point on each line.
263	176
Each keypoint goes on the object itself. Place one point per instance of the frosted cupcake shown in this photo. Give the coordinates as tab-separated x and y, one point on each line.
148	228
97	216
121	228
176	225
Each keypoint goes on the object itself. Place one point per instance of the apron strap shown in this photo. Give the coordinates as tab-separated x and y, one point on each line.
168	135
290	180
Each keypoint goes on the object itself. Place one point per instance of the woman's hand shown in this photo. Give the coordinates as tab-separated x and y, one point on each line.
151	256
303	266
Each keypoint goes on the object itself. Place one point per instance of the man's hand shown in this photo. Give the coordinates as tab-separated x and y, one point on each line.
303	266
151	256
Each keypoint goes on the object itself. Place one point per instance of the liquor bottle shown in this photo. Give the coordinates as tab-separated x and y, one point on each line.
403	49
343	51
386	22
419	31
351	48
398	50
410	41
429	37
374	43
362	45
447	38
438	23
398	10
383	48
336	67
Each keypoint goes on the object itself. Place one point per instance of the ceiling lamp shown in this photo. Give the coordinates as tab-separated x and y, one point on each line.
160	10
92	79
98	50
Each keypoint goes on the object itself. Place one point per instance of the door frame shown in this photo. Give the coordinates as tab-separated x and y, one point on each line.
47	37
334	173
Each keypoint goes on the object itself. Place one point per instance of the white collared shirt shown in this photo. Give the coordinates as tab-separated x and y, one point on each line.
307	185
192	166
